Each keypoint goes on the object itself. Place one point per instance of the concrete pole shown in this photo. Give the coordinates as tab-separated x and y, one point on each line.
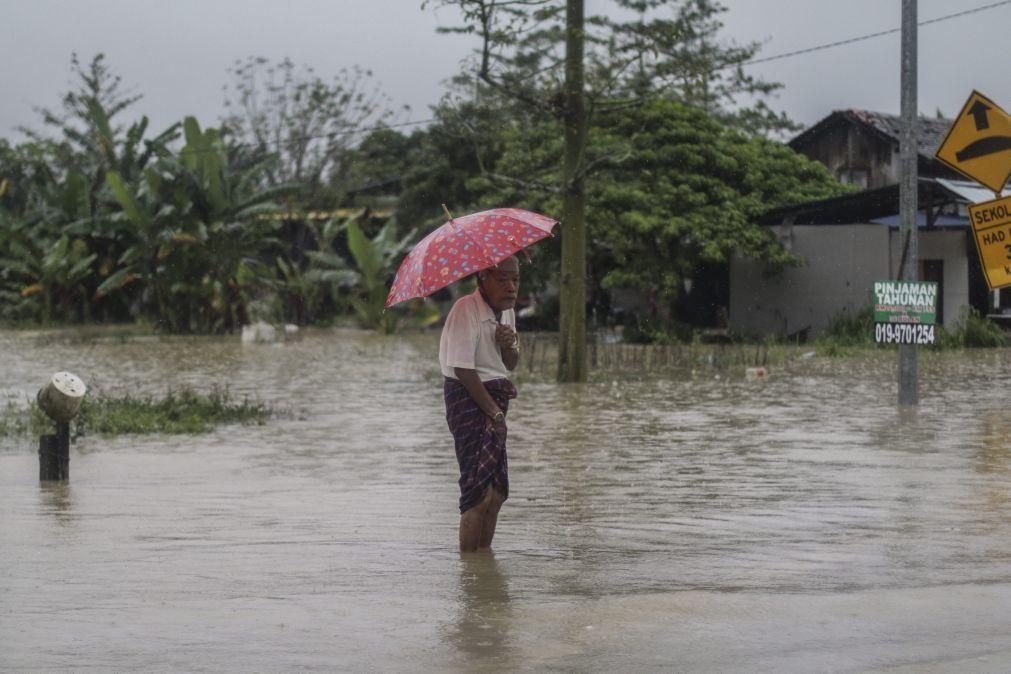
908	387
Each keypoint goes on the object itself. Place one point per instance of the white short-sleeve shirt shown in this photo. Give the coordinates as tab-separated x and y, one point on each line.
468	338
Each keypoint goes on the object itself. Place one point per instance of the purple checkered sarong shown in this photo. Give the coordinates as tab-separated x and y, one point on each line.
480	450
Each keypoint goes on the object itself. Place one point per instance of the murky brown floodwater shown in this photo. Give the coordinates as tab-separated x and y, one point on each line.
662	522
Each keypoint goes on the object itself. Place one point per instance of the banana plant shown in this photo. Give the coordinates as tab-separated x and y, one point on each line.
323	273
148	225
374	261
200	231
56	274
46	263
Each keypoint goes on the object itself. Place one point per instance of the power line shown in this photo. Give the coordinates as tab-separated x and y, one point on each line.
777	57
869	36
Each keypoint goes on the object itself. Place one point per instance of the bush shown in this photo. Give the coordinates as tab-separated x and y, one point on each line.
850	329
640	329
973	330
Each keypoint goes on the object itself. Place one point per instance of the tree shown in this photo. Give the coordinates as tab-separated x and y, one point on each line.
675	188
198	224
24	172
535	53
449	163
59	194
308	124
89	139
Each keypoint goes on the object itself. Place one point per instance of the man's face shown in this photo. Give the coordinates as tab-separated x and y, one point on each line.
501	284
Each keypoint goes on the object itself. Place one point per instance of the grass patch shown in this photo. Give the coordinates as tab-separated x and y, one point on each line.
972	331
182	411
847	331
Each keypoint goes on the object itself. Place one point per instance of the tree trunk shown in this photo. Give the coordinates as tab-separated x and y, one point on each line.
572	316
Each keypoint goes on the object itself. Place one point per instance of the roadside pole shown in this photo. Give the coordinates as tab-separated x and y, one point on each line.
908	387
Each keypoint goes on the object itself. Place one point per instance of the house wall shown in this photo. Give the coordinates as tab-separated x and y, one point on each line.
847	147
842	263
953	248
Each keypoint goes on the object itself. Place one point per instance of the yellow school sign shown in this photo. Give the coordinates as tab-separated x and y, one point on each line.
991	224
978	145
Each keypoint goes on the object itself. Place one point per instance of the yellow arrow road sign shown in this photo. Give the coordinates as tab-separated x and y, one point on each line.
978	144
991	224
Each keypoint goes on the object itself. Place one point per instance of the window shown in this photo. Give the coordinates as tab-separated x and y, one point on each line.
852	176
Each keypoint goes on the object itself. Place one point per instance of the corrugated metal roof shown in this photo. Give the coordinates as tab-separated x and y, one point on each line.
973	193
930	131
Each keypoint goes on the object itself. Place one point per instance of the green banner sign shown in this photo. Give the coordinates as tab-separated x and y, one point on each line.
904	312
905	302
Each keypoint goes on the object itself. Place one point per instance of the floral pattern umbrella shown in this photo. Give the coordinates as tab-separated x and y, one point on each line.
464	246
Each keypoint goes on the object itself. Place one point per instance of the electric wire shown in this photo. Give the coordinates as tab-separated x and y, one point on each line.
869	36
776	57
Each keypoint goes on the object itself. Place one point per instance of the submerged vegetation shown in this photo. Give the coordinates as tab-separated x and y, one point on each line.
183	411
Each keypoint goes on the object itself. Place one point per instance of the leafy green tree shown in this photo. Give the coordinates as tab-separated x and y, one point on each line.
380	161
674	188
451	162
202	226
60	191
24	172
48	253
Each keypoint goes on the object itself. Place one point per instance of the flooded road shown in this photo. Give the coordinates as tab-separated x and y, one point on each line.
660	520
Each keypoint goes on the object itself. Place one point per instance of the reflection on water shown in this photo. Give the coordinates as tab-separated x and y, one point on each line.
56	500
657	520
482	625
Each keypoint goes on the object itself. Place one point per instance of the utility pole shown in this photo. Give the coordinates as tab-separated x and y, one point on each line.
908	152
572	290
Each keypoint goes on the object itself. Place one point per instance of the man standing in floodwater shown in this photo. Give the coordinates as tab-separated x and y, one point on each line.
478	349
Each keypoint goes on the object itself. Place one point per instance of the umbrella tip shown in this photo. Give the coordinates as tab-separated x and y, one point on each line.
446	210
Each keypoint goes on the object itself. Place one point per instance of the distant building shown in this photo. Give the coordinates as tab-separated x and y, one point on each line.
849	242
862	148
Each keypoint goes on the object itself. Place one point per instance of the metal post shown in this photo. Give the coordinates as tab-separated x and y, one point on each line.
54	454
61	400
909	271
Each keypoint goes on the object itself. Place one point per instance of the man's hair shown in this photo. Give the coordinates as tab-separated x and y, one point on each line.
483	274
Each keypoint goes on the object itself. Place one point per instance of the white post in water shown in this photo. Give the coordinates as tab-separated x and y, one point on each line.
61	400
909	271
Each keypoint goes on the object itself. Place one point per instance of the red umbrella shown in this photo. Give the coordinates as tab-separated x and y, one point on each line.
465	246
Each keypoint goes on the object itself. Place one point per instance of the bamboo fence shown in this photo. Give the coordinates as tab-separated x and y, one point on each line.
540	354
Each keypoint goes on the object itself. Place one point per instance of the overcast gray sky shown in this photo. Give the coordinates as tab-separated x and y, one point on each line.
177	52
